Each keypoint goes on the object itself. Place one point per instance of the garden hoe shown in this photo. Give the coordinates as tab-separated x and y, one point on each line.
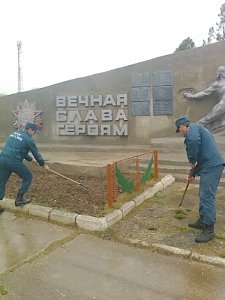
70	179
185	191
191	174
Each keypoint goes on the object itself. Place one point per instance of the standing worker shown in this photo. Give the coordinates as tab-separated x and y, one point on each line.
17	147
206	162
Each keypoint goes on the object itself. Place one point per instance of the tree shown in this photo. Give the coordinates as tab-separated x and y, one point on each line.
186	44
221	25
211	36
217	33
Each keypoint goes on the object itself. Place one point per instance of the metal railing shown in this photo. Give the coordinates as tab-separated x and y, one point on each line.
111	178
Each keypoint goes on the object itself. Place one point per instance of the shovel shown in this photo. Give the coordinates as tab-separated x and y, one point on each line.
70	179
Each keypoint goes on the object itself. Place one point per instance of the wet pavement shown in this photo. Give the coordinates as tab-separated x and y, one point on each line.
91	268
22	237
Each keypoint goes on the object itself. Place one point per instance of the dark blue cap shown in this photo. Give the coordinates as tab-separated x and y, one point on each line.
181	121
31	125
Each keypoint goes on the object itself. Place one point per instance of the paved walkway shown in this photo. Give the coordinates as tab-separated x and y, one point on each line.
90	155
90	268
22	237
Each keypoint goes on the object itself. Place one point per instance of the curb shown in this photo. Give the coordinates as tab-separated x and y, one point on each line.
212	260
168	250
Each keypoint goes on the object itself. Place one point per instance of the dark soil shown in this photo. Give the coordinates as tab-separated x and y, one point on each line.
51	190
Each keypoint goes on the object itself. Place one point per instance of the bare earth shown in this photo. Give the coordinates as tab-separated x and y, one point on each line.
50	190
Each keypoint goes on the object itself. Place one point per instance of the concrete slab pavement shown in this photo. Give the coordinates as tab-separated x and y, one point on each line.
90	268
22	237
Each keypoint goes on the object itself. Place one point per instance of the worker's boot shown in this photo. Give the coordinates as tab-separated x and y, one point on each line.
206	235
197	224
20	201
1	209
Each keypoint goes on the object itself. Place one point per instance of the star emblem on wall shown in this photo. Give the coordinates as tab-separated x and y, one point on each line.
26	112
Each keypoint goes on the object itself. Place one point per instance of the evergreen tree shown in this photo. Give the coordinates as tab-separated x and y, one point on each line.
217	33
186	44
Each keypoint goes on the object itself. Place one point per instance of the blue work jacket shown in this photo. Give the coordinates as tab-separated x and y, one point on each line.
17	147
202	148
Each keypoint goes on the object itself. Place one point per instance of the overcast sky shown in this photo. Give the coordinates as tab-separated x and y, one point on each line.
68	39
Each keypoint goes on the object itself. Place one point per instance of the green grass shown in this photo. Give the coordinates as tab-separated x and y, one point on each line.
3	291
150	227
222	254
180	214
183	229
105	233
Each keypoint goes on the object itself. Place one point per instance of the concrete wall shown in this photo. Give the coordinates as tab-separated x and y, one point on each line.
193	69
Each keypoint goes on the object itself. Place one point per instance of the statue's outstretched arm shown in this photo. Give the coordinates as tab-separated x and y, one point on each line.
202	94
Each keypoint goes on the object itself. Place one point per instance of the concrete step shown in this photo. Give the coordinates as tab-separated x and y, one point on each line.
96	148
172	157
173	168
179	169
162	162
176	144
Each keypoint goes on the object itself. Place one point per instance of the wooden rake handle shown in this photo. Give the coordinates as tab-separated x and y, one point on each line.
70	179
185	191
191	174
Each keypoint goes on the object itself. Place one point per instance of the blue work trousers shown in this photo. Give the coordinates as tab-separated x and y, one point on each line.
209	180
6	169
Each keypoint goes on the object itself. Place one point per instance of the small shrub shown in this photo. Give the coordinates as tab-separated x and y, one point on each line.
3	291
180	214
150	227
222	254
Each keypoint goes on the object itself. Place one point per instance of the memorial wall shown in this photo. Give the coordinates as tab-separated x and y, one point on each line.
129	105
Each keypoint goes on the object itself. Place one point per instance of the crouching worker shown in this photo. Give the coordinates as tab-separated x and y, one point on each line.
207	162
16	149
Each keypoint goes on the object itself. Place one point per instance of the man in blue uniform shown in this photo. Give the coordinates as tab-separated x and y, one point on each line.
17	147
206	162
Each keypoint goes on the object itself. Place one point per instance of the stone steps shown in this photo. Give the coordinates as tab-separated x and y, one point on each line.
179	169
172	157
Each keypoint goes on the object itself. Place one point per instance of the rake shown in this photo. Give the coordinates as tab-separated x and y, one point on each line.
65	177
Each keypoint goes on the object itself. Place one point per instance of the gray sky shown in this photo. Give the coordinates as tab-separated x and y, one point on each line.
68	39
